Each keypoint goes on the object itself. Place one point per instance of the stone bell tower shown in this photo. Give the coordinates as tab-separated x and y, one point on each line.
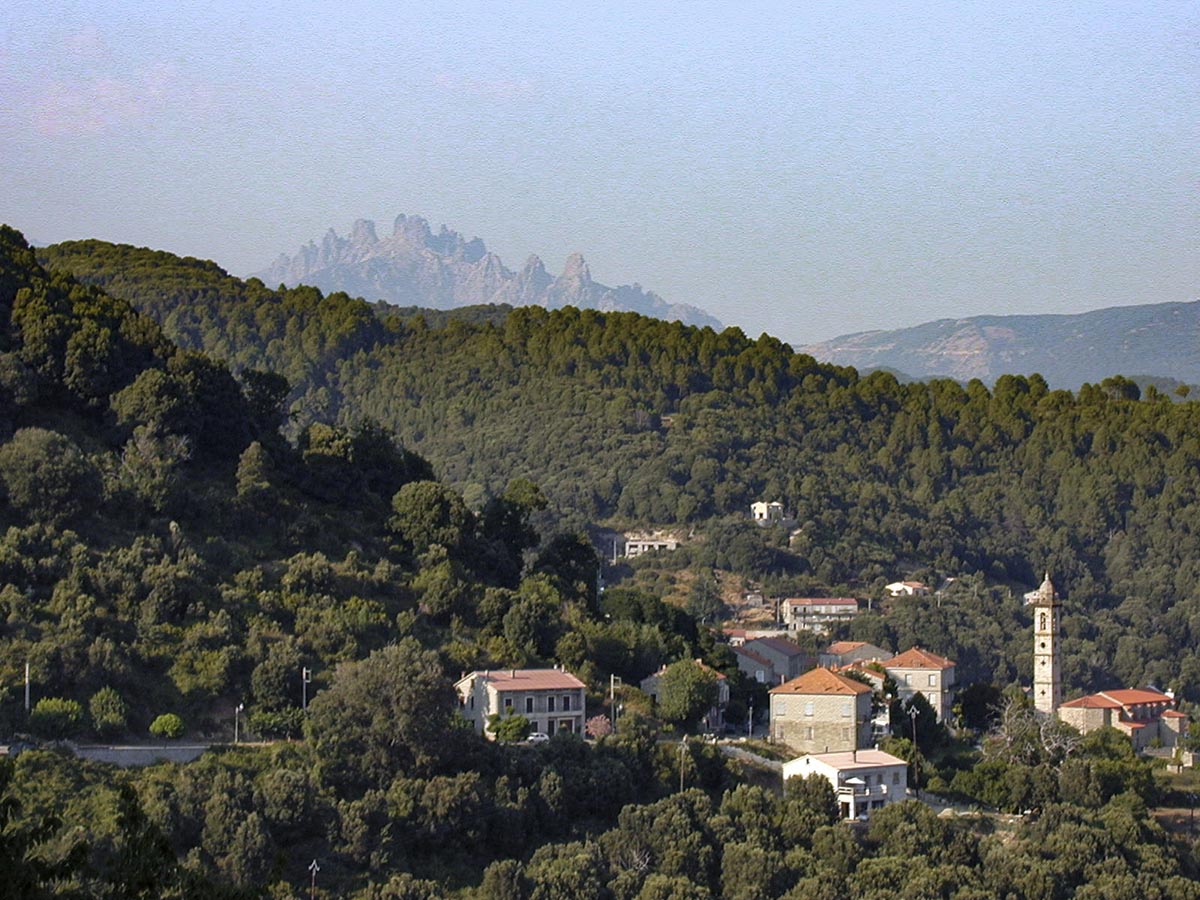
1047	649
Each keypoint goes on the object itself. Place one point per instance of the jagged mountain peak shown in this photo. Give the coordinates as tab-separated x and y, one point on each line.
416	266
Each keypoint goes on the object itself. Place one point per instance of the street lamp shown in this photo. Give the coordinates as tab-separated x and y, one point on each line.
682	750
305	678
237	713
312	889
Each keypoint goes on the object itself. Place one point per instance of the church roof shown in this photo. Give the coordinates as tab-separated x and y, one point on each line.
916	658
822	681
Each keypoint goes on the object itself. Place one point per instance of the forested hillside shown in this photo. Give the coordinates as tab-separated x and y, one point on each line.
171	563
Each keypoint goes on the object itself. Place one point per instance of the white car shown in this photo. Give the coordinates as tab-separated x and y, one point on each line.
538	737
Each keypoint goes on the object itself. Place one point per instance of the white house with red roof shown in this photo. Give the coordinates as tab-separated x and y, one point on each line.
821	712
817	614
918	671
1147	715
863	780
551	699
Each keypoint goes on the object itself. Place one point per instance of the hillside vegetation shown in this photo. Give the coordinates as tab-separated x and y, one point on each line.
175	553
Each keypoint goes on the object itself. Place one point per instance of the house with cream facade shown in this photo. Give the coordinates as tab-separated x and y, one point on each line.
863	780
551	699
821	712
918	671
1146	715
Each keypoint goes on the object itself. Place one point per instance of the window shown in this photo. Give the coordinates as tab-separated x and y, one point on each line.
471	701
808	708
907	679
845	734
845	708
808	733
508	704
895	778
933	681
549	704
566	703
528	704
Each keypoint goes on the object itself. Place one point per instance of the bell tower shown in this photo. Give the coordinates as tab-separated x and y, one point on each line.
1047	652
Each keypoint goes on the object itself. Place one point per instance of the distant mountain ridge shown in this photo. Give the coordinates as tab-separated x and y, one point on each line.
1160	339
415	266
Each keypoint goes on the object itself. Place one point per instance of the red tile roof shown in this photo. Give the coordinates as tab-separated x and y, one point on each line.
837	648
822	681
821	601
1091	701
916	658
530	679
1135	696
1173	714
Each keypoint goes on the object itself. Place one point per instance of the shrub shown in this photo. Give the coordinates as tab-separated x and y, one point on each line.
168	725
54	717
108	711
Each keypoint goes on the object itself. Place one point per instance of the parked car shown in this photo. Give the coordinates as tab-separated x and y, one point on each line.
538	737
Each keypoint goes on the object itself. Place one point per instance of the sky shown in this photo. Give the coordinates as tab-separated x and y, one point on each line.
802	169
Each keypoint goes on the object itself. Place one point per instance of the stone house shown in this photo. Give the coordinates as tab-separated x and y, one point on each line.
907	589
1147	715
821	712
786	658
764	512
863	780
552	699
918	671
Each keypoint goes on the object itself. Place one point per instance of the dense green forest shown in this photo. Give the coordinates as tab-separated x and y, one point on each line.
636	422
204	494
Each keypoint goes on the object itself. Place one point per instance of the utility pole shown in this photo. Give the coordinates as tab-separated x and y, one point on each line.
750	723
27	686
305	678
682	750
237	713
612	700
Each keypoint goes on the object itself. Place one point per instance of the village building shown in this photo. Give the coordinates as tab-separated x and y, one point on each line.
714	719
755	666
817	614
907	589
786	659
551	699
843	653
918	671
821	712
736	637
1146	715
863	780
638	544
765	513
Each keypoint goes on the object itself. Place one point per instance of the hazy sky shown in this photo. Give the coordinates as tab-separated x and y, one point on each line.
803	168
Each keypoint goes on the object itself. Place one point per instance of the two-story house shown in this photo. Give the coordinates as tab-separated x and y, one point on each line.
714	719
783	659
551	699
918	671
863	780
821	712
